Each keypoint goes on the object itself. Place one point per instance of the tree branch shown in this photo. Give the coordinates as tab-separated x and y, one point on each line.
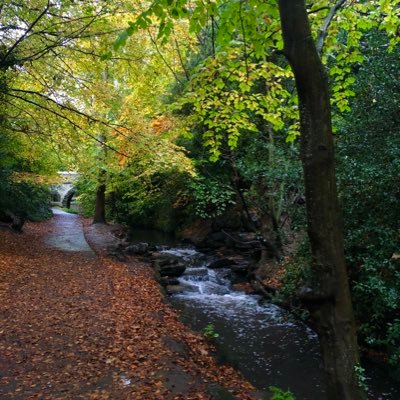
163	58
324	29
178	50
23	37
69	120
73	110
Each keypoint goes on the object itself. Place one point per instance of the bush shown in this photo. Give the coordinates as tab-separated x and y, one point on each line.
210	197
86	195
24	199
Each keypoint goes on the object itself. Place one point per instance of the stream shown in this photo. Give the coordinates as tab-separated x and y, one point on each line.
259	339
264	342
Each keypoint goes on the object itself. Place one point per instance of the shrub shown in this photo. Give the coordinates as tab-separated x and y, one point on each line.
24	199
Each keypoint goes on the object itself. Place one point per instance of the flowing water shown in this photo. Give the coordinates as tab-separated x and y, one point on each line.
259	339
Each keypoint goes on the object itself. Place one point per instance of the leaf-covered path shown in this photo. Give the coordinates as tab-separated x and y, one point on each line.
77	325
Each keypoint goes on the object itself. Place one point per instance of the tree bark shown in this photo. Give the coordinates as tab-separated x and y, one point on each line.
99	211
17	222
100	205
329	298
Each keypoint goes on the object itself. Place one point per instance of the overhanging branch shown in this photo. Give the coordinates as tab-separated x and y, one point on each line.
69	120
73	110
24	36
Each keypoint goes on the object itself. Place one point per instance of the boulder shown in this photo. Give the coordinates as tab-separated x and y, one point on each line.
198	272
247	245
165	281
247	241
218	392
181	288
161	259
174	289
172	270
197	232
117	255
176	346
248	236
217	237
137	249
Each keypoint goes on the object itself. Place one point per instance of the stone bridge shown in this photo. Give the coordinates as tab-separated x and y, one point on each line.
63	192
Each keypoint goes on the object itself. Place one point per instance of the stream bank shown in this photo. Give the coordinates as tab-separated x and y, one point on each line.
264	342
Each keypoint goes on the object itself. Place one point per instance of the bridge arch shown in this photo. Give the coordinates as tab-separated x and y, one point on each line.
66	201
55	196
64	190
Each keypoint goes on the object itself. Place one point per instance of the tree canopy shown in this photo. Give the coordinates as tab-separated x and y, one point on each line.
177	111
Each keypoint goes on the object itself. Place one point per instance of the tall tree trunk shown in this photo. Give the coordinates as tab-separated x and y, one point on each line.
330	300
99	211
100	205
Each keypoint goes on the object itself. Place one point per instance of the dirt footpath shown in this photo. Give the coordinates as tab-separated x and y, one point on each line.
77	325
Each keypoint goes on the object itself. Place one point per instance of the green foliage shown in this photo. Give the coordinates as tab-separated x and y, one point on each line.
272	168
279	394
209	332
158	201
362	379
230	96
86	195
297	274
368	172
24	199
239	100
246	38
393	344
150	189
211	198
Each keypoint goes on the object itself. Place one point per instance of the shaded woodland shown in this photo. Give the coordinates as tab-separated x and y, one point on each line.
272	123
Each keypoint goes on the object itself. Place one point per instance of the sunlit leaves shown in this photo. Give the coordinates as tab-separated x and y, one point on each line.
230	96
227	103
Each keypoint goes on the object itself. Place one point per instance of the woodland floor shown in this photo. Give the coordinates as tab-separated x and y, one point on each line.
78	325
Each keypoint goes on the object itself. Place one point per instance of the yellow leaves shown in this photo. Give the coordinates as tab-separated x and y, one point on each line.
34	178
293	132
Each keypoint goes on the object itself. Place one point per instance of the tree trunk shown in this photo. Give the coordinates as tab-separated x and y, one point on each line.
100	205
17	222
329	298
99	211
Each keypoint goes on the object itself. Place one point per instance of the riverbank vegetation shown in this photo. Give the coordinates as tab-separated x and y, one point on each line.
184	117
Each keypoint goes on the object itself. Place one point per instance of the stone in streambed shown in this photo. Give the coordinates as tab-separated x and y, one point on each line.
137	249
175	289
165	281
172	270
161	259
